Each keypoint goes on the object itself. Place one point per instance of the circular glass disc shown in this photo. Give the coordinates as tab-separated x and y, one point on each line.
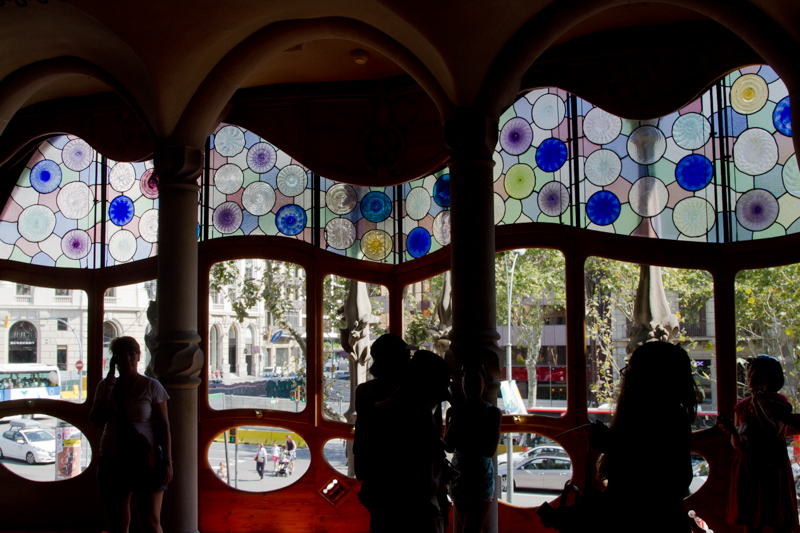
36	223
418	203
261	157
45	176
418	242
548	111
122	177
693	216
77	155
648	196
441	228
229	141
228	178
646	145
757	210
602	167
340	233
258	198
755	152
76	244
376	244
75	200
121	210
553	199
148	225
691	131
519	181
601	127
292	180
341	199
516	136
122	245
291	219
227	217
749	93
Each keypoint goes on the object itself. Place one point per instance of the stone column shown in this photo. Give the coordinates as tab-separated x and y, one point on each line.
470	140
178	359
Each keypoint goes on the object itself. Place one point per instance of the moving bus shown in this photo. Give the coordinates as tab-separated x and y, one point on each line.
28	381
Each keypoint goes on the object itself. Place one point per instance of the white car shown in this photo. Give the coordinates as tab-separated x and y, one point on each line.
548	449
30	444
543	472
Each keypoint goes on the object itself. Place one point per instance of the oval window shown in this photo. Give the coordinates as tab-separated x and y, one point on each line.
337	452
541	468
238	461
42	448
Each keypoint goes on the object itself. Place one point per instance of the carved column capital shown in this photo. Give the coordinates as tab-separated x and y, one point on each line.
470	135
178	164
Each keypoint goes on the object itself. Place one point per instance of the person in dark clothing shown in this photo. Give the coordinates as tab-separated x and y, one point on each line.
762	491
390	356
656	406
473	431
408	502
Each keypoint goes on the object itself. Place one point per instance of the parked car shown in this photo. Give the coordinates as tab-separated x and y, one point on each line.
548	449
542	472
26	441
342	374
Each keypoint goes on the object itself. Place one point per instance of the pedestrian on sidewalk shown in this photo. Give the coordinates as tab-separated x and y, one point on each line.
261	460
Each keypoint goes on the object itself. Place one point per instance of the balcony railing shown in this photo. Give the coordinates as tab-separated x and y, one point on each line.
695	330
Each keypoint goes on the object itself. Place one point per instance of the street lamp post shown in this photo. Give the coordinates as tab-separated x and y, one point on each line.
509	440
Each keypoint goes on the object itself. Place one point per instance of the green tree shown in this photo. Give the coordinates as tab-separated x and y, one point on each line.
768	319
537	293
611	286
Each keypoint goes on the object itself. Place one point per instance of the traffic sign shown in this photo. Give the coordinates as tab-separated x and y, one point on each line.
79	365
276	336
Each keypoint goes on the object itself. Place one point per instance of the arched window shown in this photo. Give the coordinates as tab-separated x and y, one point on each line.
109	332
22	341
233	348
213	352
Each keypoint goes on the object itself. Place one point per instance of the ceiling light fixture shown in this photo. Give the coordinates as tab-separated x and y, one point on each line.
360	56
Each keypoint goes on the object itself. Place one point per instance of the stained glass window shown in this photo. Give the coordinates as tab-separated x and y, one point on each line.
53	216
721	169
255	188
359	221
426	224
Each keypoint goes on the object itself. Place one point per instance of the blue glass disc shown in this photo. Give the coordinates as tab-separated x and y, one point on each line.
376	206
120	212
290	219
45	176
418	242
694	172
603	208
782	117
441	191
551	155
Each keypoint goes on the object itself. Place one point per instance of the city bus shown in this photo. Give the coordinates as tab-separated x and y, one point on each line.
27	381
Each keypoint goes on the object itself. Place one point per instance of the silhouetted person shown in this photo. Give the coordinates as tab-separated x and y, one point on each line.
126	405
390	356
406	501
473	431
762	491
656	406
